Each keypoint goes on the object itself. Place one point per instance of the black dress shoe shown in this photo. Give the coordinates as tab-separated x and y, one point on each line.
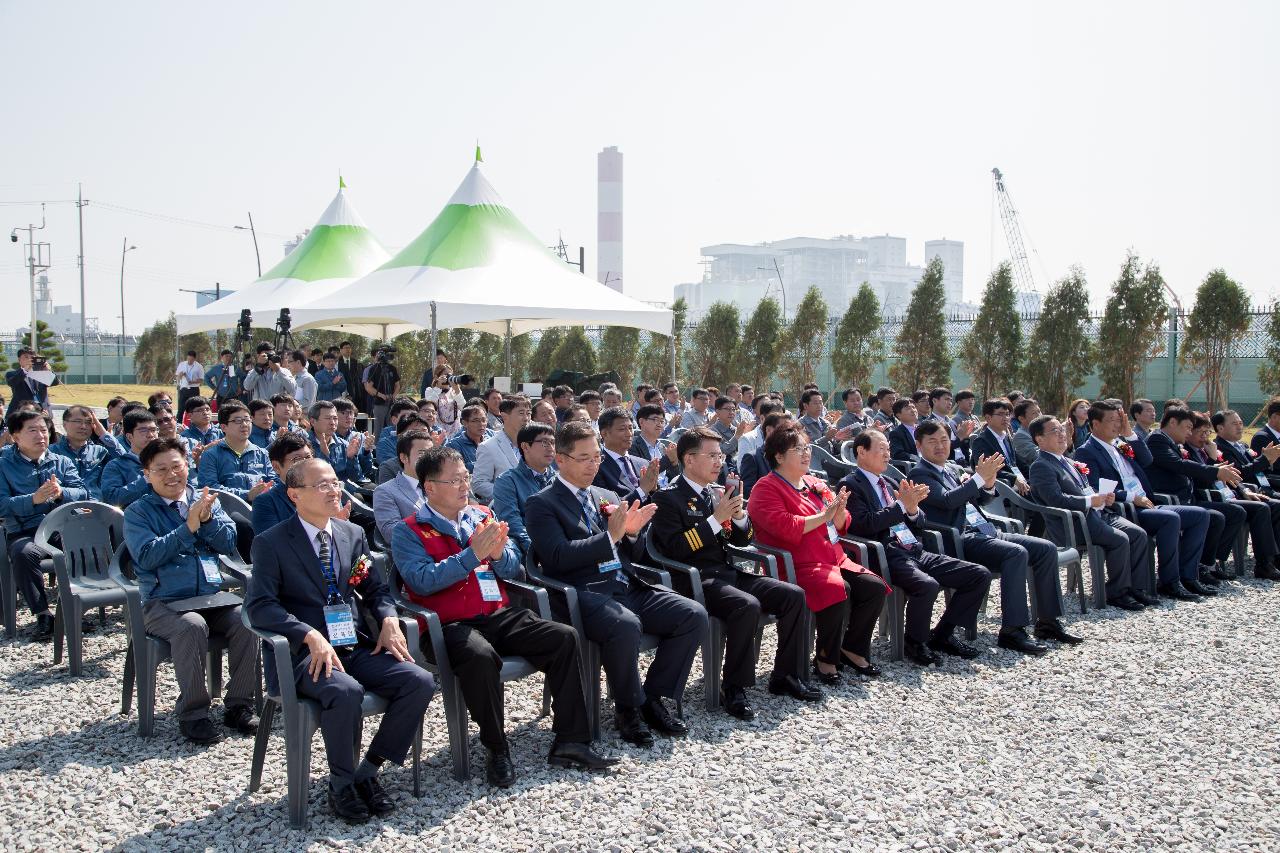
661	720
1016	640
950	645
831	679
1209	578
631	728
43	631
920	654
1177	591
868	671
1224	573
375	797
1266	573
241	718
201	731
1124	602
734	701
1199	588
1218	575
1144	598
579	756
1051	629
789	685
499	768
346	804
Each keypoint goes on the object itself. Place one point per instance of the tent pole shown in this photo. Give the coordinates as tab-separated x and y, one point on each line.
431	356
673	352
508	348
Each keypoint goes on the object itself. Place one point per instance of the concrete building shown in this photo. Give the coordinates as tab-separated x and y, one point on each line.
745	274
60	318
609	218
952	254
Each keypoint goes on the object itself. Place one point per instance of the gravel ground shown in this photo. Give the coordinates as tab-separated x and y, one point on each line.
1158	733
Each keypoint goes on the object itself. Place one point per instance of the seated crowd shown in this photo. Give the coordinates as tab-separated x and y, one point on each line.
467	495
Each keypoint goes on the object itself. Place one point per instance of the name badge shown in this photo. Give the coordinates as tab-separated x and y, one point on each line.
1087	490
1133	488
1223	489
1263	481
903	534
340	625
489	590
833	535
612	565
212	573
978	521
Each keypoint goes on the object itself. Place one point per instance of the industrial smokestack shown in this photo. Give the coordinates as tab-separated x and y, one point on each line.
609	218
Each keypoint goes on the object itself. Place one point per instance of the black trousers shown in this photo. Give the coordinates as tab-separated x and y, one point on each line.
922	575
737	600
864	596
1124	545
1262	520
406	686
1222	537
476	647
616	621
24	561
1021	561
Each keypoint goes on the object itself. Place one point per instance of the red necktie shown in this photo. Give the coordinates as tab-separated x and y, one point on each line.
884	492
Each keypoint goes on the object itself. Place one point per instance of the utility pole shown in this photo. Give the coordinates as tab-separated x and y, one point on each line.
37	258
84	311
251	230
125	248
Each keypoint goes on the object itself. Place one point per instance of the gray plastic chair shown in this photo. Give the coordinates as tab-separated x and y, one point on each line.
1076	542
564	609
145	652
301	719
455	707
823	464
89	533
1240	548
687	581
9	589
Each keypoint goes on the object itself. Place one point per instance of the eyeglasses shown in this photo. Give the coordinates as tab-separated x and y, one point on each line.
715	457
655	419
545	442
147	430
78	422
801	450
165	471
456	482
592	459
326	486
239	421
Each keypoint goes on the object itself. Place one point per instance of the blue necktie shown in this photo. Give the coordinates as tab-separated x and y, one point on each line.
592	514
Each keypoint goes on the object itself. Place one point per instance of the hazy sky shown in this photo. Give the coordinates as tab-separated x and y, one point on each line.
1151	126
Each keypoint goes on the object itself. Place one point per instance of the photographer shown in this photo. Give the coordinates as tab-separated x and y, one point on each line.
268	377
28	380
381	384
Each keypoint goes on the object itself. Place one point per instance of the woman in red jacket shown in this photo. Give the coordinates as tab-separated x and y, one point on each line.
791	510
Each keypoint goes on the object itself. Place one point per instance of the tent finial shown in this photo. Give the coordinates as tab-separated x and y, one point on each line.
479	159
342	185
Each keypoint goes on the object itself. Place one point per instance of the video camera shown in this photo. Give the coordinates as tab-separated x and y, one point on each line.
386	352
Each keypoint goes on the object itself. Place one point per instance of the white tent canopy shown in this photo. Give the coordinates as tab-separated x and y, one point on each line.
337	251
476	266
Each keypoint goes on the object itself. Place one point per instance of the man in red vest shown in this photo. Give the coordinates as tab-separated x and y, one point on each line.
453	557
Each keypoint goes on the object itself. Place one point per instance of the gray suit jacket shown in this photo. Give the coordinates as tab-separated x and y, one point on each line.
393	502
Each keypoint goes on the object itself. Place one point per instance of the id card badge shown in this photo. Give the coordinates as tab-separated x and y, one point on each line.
1223	489
833	535
1133	488
1087	490
903	534
340	625
489	589
978	521
212	574
612	565
1263	481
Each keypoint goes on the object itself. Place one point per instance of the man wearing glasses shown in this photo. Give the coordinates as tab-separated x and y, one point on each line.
583	535
33	482
619	473
200	429
730	427
122	480
473	434
644	445
456	559
88	445
235	465
995	438
512	490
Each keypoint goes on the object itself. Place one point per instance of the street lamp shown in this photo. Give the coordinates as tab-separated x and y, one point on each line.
255	241
125	249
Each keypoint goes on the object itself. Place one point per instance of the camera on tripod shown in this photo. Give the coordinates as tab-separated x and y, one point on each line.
386	352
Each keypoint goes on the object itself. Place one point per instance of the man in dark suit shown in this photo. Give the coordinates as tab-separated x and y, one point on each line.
582	535
956	500
307	575
756	465
1058	482
1268	434
23	385
1173	472
1254	465
650	422
619	473
1143	412
888	510
352	372
902	438
995	437
1179	530
692	524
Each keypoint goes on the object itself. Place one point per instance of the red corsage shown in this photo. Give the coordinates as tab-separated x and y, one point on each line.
1082	468
1126	450
1250	452
1185	454
606	508
360	571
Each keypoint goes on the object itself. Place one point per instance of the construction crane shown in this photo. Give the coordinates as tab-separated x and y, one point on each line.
1028	295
